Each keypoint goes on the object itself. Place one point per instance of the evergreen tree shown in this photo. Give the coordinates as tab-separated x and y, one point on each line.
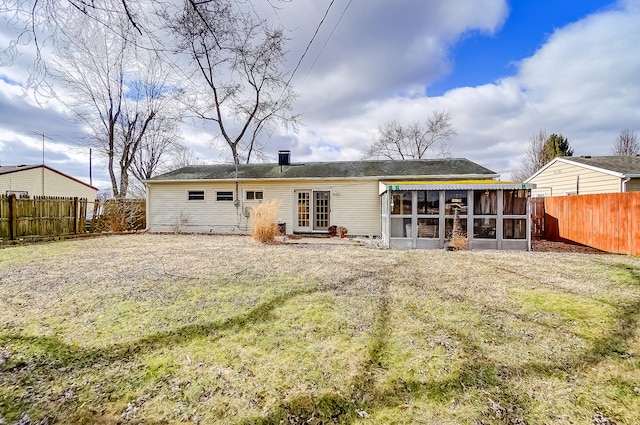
556	145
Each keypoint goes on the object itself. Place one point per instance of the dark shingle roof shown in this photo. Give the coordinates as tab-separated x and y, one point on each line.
619	164
6	169
425	168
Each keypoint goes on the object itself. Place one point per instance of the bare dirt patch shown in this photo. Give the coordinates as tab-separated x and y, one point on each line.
553	246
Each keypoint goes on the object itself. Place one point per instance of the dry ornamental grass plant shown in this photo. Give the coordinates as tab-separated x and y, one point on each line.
459	242
264	221
458	236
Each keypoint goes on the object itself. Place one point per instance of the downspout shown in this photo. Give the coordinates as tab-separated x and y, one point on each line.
147	212
236	202
624	184
529	223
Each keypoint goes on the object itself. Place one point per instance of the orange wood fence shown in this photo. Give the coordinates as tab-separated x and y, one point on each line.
608	221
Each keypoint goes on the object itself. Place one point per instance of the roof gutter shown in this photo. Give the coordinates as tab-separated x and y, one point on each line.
627	178
421	176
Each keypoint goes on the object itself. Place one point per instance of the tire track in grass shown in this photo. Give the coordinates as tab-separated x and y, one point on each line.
50	356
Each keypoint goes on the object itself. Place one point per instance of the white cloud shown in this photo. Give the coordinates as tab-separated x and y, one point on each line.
379	49
583	83
383	55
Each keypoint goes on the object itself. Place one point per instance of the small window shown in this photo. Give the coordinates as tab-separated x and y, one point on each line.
428	202
455	200
428	227
484	228
515	202
485	202
19	193
401	202
224	196
254	195
515	228
195	195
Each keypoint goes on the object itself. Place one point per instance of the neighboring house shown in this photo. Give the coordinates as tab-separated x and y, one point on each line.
42	180
410	204
586	175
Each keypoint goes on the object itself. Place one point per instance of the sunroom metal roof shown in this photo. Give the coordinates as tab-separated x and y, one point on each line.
455	185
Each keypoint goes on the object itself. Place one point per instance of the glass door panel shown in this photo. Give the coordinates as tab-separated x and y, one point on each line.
321	210
303	218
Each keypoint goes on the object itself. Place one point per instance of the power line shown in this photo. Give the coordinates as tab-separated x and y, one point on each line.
310	41
327	40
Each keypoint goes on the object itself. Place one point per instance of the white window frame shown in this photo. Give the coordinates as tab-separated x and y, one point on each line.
218	192
190	191
254	191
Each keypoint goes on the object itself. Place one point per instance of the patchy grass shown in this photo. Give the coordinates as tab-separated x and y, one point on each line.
164	329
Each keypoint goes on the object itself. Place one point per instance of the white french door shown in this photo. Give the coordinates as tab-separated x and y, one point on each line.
313	210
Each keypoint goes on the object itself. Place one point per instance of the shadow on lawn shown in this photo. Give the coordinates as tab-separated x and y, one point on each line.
626	320
52	357
332	408
366	393
504	403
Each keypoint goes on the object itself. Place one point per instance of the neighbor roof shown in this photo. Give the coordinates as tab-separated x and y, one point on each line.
619	166
437	168
6	169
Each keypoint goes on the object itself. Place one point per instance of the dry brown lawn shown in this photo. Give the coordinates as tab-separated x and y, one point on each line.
161	329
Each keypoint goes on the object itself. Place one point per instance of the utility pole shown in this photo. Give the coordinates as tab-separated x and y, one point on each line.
43	137
42	164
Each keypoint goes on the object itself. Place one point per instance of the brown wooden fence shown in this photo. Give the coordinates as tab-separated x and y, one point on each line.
537	217
608	221
41	216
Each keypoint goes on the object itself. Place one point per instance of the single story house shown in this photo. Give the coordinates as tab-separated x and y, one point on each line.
583	175
410	204
42	180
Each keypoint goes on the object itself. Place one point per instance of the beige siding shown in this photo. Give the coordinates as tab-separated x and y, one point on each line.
27	180
633	185
54	184
562	178
354	205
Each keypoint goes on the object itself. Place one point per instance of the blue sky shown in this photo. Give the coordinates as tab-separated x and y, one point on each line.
503	69
480	58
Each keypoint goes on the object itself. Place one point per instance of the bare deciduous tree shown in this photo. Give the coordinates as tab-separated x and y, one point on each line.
159	145
413	141
115	91
541	150
42	22
183	156
626	143
533	159
237	60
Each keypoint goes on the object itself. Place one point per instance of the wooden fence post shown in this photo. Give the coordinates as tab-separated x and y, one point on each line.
76	212
12	217
94	216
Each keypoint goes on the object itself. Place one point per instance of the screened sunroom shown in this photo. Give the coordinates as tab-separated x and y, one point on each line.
492	214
